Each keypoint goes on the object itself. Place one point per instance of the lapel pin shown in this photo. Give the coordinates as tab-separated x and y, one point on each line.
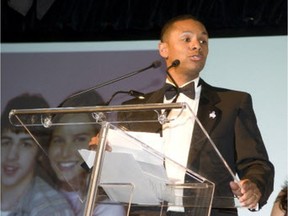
212	115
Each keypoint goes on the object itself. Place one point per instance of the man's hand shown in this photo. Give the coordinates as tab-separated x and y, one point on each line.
247	193
94	142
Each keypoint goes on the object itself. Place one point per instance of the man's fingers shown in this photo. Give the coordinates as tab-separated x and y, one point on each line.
235	189
247	193
94	140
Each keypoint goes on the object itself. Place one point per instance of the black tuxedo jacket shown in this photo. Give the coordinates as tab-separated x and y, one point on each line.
234	130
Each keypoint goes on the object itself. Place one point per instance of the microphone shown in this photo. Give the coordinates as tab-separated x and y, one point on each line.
175	63
137	94
157	64
133	93
154	64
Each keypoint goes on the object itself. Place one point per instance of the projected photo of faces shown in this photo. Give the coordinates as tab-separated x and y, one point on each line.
42	172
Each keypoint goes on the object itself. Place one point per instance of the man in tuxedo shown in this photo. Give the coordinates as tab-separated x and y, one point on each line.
226	115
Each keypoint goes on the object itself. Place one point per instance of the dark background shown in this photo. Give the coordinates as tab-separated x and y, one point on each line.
119	20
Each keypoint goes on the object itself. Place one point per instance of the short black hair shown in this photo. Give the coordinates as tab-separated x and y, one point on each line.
170	22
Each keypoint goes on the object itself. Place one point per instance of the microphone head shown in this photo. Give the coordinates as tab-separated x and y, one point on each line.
156	64
175	63
137	94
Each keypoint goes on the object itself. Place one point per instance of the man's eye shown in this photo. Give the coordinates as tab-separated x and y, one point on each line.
187	39
203	41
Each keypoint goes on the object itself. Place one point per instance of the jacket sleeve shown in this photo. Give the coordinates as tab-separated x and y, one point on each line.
252	160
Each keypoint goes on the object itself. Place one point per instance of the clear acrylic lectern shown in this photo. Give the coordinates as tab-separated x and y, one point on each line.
131	169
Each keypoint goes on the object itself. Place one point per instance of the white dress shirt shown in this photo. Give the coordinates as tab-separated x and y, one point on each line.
177	136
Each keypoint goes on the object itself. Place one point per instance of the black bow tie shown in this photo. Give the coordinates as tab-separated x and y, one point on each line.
171	91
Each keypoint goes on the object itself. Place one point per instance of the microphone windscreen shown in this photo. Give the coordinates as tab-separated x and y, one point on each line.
156	64
175	63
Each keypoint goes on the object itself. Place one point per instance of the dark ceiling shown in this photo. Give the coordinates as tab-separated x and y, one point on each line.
112	20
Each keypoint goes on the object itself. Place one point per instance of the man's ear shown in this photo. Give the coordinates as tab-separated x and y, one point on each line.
163	50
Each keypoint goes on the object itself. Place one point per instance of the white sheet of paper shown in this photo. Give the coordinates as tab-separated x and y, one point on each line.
137	144
122	168
130	163
88	156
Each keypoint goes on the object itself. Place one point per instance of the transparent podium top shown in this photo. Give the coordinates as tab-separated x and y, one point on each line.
138	159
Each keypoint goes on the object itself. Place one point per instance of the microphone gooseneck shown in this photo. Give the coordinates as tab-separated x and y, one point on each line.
175	63
154	64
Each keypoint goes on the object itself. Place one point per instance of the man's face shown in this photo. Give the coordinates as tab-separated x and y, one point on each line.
186	41
18	158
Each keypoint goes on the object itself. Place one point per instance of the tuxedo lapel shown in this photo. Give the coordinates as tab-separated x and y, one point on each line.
208	116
